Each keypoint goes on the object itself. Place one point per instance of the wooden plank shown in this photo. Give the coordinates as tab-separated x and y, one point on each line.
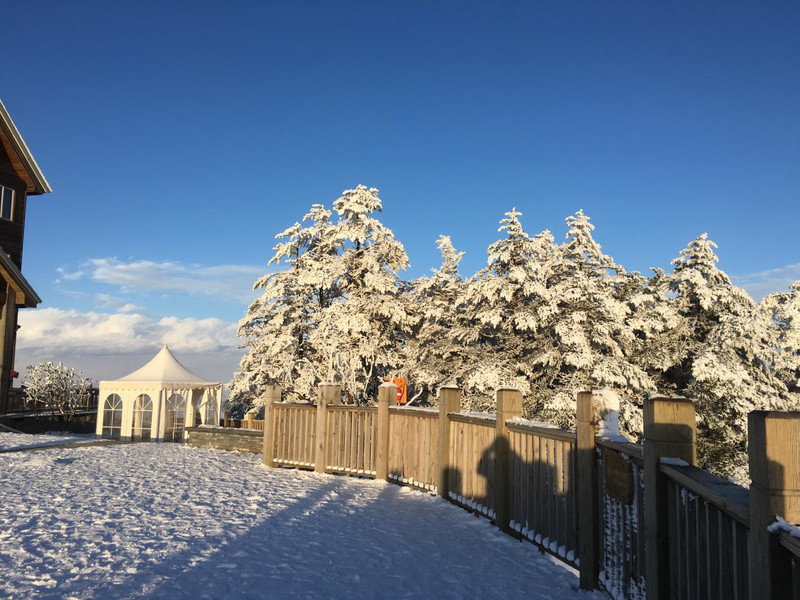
728	497
634	451
674	551
713	548
558	449
552	513
728	574
680	548
541	488
703	565
571	533
293	435
669	430
545	431
742	561
478	421
691	546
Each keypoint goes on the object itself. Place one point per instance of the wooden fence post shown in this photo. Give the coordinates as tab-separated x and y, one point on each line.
271	396
327	393
587	493
387	394
774	453
249	419
449	401
669	431
228	421
509	404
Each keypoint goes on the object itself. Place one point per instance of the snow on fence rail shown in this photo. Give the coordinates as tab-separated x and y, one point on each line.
640	521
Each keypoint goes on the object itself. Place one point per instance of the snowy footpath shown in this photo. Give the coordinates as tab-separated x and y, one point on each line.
169	521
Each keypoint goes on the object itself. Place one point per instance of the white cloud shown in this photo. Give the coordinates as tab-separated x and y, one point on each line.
75	275
52	330
225	282
763	283
120	305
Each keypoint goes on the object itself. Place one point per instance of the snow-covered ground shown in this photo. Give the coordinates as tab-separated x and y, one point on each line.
15	441
169	521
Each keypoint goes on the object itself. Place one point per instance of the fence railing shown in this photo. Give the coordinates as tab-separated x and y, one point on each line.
542	487
621	536
18	403
413	464
640	521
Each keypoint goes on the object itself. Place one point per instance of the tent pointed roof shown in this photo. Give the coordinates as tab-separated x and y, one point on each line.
165	368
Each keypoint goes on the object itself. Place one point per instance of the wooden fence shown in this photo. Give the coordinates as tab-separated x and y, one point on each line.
640	521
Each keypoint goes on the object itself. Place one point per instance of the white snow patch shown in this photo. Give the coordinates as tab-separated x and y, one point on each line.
19	441
676	462
168	520
781	524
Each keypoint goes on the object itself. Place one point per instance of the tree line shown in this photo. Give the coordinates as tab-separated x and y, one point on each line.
548	318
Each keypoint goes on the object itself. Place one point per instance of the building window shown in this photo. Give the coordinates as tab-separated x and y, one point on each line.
6	202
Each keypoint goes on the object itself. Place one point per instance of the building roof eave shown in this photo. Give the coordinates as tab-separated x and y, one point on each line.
35	179
26	295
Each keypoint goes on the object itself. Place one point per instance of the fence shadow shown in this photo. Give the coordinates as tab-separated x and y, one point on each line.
535	499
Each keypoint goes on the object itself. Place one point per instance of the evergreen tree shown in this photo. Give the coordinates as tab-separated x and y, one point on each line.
361	337
784	310
278	324
590	329
432	354
728	369
499	315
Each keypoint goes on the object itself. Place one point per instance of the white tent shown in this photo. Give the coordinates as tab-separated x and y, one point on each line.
157	402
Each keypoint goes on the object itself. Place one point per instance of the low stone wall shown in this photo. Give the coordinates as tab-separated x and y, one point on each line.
217	438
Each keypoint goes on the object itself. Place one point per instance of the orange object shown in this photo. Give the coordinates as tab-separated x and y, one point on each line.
402	389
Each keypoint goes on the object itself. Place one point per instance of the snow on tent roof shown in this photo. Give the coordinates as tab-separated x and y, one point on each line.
164	367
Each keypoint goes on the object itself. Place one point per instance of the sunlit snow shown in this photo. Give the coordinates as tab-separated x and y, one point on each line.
170	521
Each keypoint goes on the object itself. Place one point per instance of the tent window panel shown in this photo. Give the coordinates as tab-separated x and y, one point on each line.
175	418
142	418
112	417
211	416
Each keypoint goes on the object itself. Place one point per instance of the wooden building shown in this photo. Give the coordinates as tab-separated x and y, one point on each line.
20	177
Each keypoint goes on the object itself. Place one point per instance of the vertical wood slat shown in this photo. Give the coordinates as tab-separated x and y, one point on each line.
449	401
271	397
703	563
691	546
326	394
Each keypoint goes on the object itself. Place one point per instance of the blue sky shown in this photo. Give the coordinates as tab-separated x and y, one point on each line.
181	136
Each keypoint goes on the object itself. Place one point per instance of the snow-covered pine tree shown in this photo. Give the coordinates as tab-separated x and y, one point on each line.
499	315
783	309
728	369
362	336
588	328
279	323
432	354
